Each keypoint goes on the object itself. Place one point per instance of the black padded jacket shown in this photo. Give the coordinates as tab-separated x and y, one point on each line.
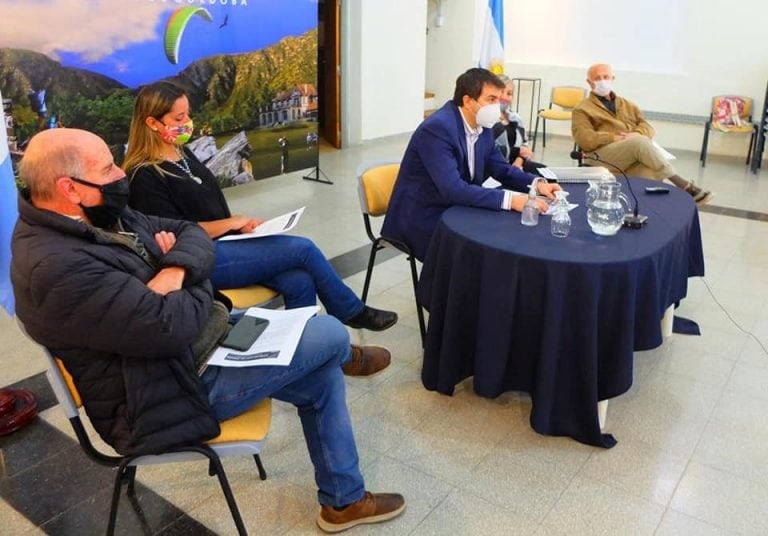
81	292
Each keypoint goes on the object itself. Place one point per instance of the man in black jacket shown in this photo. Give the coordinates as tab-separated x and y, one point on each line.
124	300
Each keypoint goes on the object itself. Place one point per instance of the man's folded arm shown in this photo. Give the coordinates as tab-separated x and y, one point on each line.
584	134
95	306
642	126
194	250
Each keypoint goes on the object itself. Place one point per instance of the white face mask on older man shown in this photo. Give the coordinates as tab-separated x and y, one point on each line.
603	88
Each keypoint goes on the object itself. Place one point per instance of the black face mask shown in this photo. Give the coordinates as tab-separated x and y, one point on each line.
115	198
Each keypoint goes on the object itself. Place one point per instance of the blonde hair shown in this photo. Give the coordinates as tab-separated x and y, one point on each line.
144	146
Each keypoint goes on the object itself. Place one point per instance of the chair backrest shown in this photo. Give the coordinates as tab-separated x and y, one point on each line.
70	402
61	381
243	434
251	296
375	183
567	97
724	105
63	386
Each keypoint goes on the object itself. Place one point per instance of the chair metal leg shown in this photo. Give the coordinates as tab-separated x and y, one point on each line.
419	312
130	475
227	490
751	144
535	134
262	472
704	144
544	132
371	259
118	487
146	528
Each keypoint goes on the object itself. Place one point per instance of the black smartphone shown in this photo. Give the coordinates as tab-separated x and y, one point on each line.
245	332
657	190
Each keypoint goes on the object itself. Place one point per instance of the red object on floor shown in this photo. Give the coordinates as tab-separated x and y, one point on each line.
7	402
18	407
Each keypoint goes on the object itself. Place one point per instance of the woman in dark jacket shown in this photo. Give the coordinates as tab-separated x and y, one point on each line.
510	135
168	180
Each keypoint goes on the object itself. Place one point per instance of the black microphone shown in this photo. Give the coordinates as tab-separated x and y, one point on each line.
634	220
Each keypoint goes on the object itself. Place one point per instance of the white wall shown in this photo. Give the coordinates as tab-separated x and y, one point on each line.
669	55
694	50
383	66
450	47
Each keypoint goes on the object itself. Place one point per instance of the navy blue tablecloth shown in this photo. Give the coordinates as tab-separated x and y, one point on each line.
559	318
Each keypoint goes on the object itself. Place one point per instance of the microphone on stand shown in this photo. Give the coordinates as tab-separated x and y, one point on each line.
634	220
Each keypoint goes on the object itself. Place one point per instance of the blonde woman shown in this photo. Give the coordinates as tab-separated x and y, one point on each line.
167	180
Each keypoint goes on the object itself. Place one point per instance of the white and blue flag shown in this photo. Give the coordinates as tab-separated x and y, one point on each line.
8	215
492	41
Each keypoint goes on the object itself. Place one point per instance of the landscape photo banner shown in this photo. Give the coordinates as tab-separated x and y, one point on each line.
249	68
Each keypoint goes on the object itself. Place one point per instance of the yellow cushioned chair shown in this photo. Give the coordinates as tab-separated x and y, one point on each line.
253	296
375	182
566	98
742	123
241	435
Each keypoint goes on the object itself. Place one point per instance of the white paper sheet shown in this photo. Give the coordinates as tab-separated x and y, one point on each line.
547	173
490	182
280	224
578	174
274	347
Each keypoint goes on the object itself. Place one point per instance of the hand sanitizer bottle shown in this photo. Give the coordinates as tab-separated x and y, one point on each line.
530	215
561	220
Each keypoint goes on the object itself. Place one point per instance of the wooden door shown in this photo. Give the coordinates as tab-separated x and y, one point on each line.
329	71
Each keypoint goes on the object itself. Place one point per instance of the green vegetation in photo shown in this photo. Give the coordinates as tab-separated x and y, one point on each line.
265	157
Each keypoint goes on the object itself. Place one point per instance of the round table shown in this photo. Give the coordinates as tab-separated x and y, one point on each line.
559	318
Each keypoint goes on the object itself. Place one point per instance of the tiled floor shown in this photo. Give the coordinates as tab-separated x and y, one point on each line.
692	431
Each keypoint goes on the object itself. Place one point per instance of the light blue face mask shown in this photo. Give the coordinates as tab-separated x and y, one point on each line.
603	88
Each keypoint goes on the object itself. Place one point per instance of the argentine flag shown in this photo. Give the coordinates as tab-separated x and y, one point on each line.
8	215
492	41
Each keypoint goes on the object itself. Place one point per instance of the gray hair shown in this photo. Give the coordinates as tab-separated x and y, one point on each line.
505	79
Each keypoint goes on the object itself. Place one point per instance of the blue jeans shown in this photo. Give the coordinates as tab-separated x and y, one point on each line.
291	265
314	383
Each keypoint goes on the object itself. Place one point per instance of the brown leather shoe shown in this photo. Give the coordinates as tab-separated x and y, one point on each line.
367	360
372	508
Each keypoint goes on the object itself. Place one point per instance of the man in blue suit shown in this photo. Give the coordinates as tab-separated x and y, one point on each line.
448	158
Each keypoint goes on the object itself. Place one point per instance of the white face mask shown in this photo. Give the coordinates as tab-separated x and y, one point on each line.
488	115
603	88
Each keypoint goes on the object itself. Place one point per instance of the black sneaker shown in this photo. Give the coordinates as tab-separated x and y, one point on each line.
372	319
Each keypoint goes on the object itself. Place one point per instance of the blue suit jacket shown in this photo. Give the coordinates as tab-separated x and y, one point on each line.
434	176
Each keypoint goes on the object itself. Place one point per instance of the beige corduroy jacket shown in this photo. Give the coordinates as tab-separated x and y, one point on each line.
593	125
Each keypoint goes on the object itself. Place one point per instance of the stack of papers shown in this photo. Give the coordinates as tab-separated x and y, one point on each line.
577	174
281	224
274	347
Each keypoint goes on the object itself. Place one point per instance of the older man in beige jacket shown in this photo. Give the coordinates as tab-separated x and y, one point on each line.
616	130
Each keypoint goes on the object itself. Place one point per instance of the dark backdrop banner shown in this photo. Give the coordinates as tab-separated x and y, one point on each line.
249	66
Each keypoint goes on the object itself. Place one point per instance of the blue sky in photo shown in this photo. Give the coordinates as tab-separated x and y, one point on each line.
138	57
